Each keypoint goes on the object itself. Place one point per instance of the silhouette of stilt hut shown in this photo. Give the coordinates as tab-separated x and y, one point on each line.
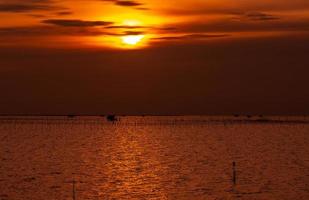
111	118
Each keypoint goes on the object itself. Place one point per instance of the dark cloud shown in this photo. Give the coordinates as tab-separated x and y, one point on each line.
37	15
61	13
191	36
25	1
24	31
18	8
232	7
124	33
201	11
126	27
232	25
134	33
259	16
37	31
75	22
149	28
21	34
143	8
127	3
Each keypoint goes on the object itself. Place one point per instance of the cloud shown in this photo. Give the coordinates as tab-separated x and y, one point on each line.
142	8
29	6
127	3
37	15
25	1
78	28
18	8
134	33
242	24
75	23
149	28
255	16
260	16
61	13
21	33
191	36
24	6
26	31
126	27
232	7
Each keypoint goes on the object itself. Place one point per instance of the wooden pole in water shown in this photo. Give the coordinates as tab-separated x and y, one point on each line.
234	173
74	191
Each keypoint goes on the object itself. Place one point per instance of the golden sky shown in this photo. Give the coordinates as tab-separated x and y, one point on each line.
135	24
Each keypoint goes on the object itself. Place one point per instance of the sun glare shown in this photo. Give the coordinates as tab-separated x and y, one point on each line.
132	39
128	33
131	22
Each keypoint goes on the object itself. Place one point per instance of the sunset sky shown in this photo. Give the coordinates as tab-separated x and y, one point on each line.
154	56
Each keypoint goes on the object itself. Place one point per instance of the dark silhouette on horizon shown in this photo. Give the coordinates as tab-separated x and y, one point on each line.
111	118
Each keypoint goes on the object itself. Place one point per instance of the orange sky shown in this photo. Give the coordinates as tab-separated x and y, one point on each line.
110	23
154	57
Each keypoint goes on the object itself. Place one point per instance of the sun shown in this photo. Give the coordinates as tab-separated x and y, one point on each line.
127	34
132	40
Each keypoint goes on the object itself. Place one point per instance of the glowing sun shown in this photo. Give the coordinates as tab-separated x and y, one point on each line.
132	40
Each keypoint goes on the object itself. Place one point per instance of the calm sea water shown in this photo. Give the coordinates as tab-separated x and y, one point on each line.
153	158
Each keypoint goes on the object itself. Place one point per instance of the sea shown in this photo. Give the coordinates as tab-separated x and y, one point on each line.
154	158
